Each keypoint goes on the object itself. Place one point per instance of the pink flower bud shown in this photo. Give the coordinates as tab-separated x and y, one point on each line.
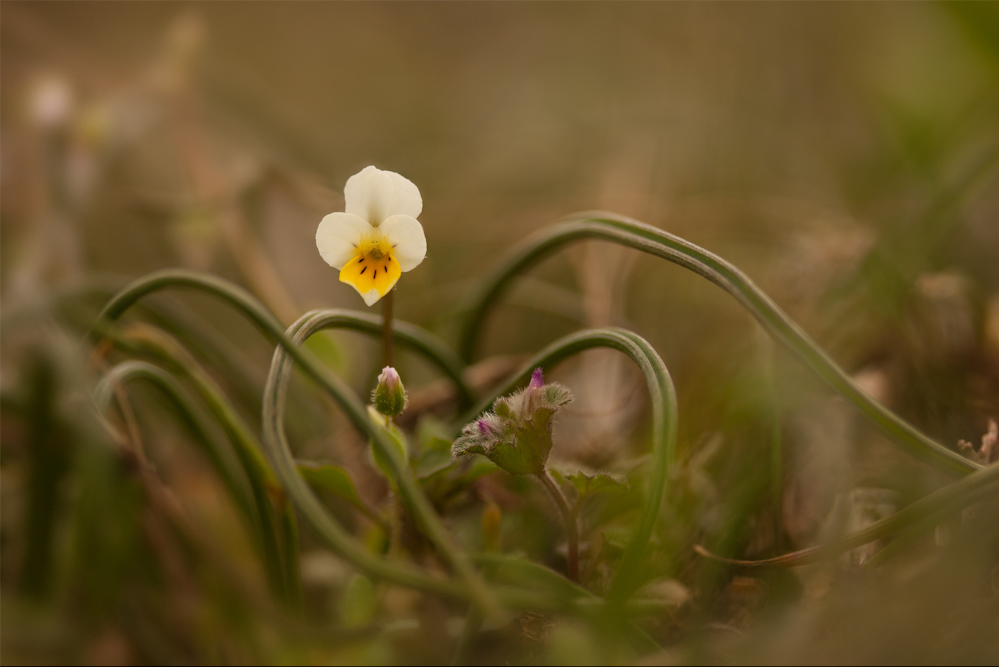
389	397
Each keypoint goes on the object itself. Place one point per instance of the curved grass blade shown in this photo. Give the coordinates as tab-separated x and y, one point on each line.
280	453
921	515
284	466
194	420
408	334
282	567
190	416
631	233
418	339
256	506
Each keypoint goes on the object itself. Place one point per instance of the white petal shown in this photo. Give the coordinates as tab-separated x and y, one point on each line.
409	244
338	236
407	197
374	195
370	297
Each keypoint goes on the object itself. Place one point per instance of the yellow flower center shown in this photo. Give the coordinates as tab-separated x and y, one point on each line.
372	267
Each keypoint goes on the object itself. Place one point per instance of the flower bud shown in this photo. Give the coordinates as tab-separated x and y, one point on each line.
389	397
517	435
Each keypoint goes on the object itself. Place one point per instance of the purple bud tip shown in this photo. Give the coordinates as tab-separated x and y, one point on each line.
389	376
537	378
484	428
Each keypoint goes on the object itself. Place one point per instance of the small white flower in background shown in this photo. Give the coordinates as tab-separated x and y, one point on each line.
51	102
377	238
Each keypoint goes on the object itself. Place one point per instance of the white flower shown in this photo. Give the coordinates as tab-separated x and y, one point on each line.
52	102
377	238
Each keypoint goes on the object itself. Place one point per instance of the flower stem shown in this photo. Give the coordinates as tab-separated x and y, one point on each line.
387	337
571	529
395	534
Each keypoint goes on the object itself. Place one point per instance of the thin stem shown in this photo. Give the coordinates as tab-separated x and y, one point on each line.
387	336
571	527
407	335
469	634
398	515
290	547
766	360
923	514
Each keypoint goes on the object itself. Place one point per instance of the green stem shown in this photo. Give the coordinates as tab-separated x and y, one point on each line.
387	337
466	642
571	525
398	515
766	360
290	549
923	514
631	233
409	335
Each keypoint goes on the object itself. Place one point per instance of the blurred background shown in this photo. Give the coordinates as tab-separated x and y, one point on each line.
844	155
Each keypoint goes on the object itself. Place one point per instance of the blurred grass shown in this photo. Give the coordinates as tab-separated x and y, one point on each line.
843	155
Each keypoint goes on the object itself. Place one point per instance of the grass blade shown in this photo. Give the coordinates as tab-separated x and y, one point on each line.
631	233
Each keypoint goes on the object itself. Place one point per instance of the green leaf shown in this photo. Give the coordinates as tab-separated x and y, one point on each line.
333	479
518	570
593	484
359	602
435	460
397	440
433	433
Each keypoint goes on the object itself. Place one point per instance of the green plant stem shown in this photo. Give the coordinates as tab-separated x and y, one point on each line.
571	524
290	551
466	642
49	461
387	335
408	335
395	534
766	359
631	233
